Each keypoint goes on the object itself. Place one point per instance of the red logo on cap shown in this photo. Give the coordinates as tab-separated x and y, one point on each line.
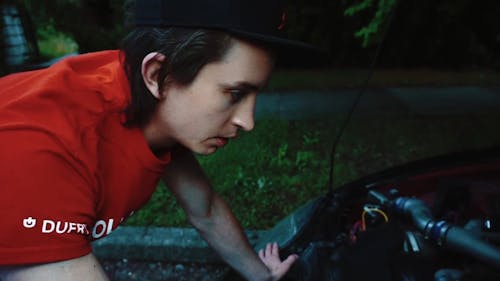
283	21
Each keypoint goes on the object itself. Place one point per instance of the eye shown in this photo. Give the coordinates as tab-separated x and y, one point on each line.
237	95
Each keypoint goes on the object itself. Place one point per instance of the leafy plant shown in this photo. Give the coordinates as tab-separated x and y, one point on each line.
371	31
53	43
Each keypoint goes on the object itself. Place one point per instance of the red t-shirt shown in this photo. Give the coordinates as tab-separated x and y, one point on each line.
70	172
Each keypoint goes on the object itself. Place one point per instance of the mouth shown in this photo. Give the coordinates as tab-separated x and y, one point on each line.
220	142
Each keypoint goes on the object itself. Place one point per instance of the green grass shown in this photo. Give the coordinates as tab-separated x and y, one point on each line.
270	172
379	143
262	175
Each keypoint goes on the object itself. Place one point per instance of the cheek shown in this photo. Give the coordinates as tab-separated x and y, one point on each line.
209	124
197	112
210	112
193	124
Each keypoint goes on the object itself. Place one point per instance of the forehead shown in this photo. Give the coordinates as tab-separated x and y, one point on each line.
239	47
243	62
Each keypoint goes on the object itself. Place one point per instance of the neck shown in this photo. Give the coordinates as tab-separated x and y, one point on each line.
157	142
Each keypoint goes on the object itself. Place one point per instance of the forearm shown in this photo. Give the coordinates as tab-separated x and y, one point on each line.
223	233
211	216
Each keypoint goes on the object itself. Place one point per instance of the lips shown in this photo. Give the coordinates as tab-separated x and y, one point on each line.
220	142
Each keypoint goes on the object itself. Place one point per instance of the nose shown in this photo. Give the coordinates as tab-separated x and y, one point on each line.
243	116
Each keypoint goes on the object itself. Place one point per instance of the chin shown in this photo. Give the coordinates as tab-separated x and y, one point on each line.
205	150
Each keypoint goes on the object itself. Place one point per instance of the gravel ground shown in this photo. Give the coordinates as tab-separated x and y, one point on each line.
131	270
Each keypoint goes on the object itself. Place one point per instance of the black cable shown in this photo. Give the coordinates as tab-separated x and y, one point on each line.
358	97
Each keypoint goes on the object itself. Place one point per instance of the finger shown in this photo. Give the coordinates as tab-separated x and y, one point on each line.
268	249
274	249
290	260
261	254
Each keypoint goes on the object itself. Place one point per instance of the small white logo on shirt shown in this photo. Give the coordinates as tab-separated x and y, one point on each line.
29	222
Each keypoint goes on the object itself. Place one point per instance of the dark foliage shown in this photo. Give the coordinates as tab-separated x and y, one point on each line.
432	33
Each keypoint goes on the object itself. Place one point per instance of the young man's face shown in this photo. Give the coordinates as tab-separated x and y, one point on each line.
206	114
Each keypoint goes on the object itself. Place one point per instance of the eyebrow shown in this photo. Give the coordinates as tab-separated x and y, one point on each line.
244	85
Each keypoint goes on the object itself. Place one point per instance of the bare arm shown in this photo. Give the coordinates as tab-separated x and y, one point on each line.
211	216
85	268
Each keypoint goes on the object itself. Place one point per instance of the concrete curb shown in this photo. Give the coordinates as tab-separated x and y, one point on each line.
159	244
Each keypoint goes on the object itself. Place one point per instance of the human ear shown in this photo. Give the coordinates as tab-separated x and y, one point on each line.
150	67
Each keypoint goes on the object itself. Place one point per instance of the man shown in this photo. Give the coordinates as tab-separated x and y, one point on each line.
84	142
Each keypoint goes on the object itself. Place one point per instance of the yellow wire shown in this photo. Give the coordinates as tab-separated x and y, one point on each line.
366	210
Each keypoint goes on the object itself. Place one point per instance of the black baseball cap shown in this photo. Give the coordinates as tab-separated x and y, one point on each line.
256	20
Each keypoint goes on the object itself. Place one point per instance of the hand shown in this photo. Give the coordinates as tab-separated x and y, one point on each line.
271	258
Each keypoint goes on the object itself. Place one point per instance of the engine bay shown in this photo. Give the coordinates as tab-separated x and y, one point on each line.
438	225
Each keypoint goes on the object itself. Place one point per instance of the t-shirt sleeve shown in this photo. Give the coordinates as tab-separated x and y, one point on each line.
47	202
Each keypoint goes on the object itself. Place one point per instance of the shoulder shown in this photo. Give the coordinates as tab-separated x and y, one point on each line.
88	80
97	77
72	94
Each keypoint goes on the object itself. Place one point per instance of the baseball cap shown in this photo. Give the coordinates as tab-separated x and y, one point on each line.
261	21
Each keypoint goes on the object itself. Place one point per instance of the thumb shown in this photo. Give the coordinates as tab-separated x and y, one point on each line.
290	260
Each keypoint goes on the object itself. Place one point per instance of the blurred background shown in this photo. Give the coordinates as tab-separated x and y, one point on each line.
446	34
